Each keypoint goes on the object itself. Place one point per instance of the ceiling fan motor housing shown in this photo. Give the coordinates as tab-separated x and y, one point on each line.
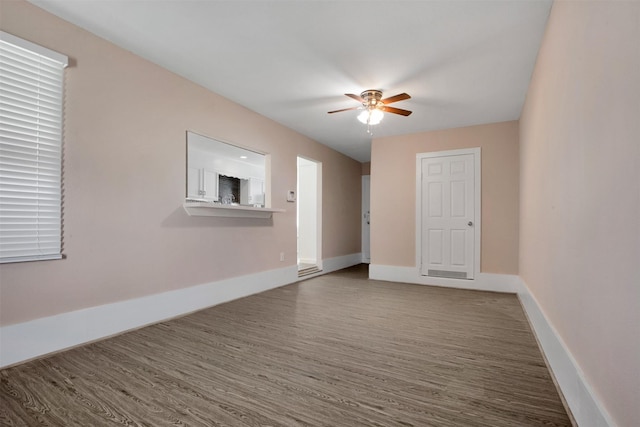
371	97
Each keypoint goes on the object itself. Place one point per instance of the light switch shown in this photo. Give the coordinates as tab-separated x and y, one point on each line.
291	196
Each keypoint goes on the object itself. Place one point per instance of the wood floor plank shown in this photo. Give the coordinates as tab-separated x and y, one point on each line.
335	350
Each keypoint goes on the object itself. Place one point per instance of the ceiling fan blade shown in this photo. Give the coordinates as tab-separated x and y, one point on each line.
396	111
356	97
396	98
344	109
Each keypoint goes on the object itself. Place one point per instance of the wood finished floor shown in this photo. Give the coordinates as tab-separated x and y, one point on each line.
335	350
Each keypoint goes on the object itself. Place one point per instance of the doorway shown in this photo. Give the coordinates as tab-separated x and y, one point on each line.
449	213
309	218
366	219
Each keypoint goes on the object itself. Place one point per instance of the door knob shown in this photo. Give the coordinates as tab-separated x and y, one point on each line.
470	223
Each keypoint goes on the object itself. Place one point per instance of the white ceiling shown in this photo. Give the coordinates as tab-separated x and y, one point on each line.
463	62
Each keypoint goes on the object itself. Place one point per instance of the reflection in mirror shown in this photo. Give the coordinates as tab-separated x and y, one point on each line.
223	173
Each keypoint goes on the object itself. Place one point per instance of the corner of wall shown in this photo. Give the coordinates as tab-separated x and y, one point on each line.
585	406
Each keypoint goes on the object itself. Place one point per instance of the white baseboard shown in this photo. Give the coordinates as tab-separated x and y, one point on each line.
586	408
482	282
36	338
337	263
28	340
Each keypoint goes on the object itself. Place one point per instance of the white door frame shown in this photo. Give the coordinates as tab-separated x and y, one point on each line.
365	219
318	233
477	204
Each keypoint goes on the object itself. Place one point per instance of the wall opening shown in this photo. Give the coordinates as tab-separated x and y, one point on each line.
309	218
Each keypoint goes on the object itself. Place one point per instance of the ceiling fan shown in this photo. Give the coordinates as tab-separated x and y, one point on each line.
374	106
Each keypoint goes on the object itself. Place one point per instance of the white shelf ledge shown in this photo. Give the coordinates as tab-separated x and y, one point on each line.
237	211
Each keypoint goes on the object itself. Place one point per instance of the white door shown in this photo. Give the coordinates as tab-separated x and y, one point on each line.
448	214
366	219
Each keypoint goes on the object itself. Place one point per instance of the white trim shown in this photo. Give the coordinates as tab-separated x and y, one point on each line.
36	338
199	208
482	282
318	166
24	341
337	263
586	408
477	153
319	214
365	228
340	262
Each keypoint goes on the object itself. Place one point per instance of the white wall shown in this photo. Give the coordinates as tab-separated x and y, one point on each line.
580	196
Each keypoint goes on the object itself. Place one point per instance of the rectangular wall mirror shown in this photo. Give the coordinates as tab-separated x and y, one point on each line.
219	172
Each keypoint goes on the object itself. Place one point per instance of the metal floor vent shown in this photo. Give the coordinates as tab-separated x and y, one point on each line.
448	274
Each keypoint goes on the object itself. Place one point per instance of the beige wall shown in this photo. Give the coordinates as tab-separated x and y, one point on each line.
366	168
580	193
393	193
125	232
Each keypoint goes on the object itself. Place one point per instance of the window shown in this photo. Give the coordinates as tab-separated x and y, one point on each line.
31	94
224	173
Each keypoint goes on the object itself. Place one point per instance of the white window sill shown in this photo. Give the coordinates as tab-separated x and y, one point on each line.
220	210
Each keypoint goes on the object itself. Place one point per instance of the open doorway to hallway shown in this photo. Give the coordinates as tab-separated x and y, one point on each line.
309	218
366	219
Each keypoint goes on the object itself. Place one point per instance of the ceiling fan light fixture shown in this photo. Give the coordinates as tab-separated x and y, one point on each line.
373	107
371	116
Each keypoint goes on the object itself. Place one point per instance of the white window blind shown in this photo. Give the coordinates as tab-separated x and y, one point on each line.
31	95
